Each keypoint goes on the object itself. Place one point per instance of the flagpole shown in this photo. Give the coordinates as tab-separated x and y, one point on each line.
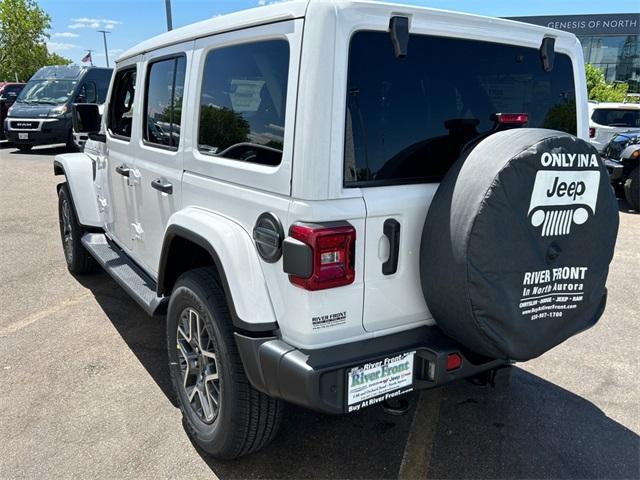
167	6
104	38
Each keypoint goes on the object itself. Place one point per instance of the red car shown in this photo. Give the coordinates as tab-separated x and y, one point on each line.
8	94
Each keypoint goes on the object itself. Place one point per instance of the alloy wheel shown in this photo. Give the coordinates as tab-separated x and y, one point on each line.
67	231
198	365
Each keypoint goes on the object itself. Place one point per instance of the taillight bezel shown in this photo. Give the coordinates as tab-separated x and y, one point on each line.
303	251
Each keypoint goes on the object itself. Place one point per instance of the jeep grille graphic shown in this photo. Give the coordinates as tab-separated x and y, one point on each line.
557	222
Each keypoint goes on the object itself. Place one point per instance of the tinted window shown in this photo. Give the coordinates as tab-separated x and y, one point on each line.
408	119
121	103
163	107
616	117
242	107
15	89
87	93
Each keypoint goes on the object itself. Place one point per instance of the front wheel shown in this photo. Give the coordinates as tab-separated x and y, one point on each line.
632	189
221	411
79	260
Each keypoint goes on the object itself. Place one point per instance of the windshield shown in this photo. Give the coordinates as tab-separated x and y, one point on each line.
617	117
617	145
408	119
54	92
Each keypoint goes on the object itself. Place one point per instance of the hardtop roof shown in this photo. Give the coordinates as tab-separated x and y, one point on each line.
288	10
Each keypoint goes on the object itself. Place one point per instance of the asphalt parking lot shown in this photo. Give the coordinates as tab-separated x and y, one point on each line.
86	390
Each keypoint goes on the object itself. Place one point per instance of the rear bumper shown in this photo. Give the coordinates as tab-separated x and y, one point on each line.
317	379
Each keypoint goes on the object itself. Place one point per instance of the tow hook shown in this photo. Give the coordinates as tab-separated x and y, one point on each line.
395	406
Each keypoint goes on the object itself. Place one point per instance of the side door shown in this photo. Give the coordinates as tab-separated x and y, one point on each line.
121	135
159	157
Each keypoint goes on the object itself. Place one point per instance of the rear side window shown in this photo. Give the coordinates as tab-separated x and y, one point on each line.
407	119
242	105
163	105
121	103
616	117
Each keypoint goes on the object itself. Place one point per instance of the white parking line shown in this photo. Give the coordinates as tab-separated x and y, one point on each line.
34	317
417	451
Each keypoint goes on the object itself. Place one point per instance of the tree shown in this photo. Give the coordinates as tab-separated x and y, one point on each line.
23	32
221	127
600	90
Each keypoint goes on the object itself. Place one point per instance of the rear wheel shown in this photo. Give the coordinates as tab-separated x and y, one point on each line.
222	412
632	189
79	261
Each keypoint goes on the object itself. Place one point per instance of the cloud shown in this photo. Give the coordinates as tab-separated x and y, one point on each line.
61	47
84	22
113	53
65	35
270	2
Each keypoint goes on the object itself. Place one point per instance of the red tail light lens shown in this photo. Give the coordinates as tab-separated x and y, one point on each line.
332	255
512	118
592	132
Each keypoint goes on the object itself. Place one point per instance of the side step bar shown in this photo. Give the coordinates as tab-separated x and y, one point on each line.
125	272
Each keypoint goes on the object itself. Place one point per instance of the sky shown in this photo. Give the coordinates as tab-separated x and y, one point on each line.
74	23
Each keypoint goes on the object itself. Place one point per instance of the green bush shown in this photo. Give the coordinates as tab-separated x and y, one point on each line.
600	90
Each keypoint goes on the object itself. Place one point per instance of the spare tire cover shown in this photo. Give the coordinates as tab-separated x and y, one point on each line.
517	243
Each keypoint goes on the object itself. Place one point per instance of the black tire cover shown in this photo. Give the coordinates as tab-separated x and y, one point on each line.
517	243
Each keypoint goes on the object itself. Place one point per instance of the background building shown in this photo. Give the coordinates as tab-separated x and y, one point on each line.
610	42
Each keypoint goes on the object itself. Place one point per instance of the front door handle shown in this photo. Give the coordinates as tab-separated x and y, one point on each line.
123	170
162	185
391	230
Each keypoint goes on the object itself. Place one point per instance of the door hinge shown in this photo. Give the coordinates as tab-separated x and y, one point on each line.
136	231
101	162
102	204
134	178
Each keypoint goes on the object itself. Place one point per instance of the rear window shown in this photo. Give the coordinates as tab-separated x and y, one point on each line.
616	117
408	119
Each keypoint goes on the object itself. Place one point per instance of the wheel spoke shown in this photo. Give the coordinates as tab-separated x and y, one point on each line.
205	403
199	327
198	365
212	394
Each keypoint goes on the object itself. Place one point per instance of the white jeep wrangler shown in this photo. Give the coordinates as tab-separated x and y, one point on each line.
400	200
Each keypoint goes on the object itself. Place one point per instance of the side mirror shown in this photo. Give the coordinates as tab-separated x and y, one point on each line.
86	118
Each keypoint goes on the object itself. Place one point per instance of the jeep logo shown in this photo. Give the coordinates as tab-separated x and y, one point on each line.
560	189
561	198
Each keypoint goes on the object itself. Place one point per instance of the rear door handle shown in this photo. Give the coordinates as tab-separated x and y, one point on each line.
162	185
123	170
391	230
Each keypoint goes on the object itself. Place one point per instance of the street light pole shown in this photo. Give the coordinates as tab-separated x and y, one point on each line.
167	5
104	38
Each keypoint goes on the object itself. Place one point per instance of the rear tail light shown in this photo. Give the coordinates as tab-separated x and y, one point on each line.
331	255
592	132
511	118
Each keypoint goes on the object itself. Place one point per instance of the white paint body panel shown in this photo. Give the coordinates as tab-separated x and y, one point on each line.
221	199
78	170
237	253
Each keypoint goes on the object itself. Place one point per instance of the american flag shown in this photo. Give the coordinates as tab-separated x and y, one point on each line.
87	58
